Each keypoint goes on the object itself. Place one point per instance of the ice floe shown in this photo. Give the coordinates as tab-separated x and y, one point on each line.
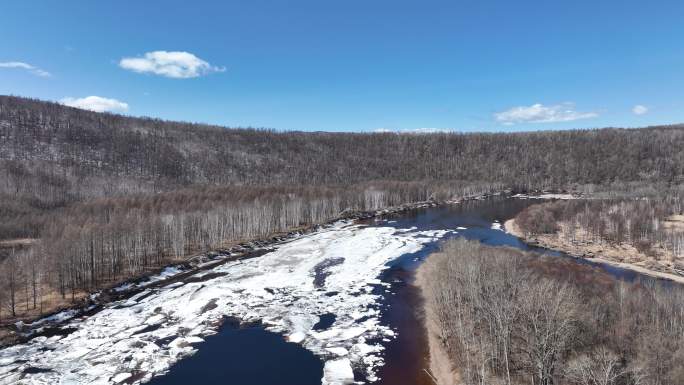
338	372
287	290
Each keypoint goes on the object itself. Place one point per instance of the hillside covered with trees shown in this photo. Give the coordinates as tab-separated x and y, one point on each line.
88	199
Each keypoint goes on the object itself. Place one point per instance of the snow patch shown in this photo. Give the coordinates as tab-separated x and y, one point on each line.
338	351
546	196
338	372
121	377
149	336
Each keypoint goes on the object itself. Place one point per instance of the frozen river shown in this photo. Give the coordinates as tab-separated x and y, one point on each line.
332	307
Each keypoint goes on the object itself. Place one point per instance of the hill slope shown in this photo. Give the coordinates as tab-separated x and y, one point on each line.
81	154
88	199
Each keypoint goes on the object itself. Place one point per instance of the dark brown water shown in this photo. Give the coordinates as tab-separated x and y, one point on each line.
407	357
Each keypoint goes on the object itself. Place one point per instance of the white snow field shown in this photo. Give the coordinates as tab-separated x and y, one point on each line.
132	340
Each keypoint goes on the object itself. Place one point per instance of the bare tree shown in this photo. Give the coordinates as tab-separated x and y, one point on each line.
548	326
599	367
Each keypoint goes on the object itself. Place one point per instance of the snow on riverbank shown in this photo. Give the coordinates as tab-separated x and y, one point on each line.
133	339
547	196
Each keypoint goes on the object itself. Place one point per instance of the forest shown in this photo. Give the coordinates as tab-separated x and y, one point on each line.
88	199
504	316
95	244
648	231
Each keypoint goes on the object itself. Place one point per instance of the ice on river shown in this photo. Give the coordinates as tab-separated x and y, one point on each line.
134	339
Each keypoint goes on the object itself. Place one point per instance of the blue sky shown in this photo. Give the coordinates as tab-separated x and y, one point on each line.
353	65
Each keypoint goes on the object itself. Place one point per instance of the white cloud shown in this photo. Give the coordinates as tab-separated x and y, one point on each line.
539	113
639	109
96	103
172	64
21	65
427	130
422	130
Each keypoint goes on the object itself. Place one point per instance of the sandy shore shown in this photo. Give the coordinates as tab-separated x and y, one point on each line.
552	242
441	369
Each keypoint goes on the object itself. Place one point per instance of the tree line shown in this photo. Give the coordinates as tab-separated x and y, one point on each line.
94	244
645	223
508	317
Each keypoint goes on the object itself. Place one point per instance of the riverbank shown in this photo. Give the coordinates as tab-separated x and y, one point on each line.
469	286
20	329
441	370
303	290
614	255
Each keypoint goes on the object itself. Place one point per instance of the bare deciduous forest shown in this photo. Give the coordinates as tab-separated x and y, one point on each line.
649	230
508	317
88	199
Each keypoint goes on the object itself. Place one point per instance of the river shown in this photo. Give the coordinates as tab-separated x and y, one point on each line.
331	307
